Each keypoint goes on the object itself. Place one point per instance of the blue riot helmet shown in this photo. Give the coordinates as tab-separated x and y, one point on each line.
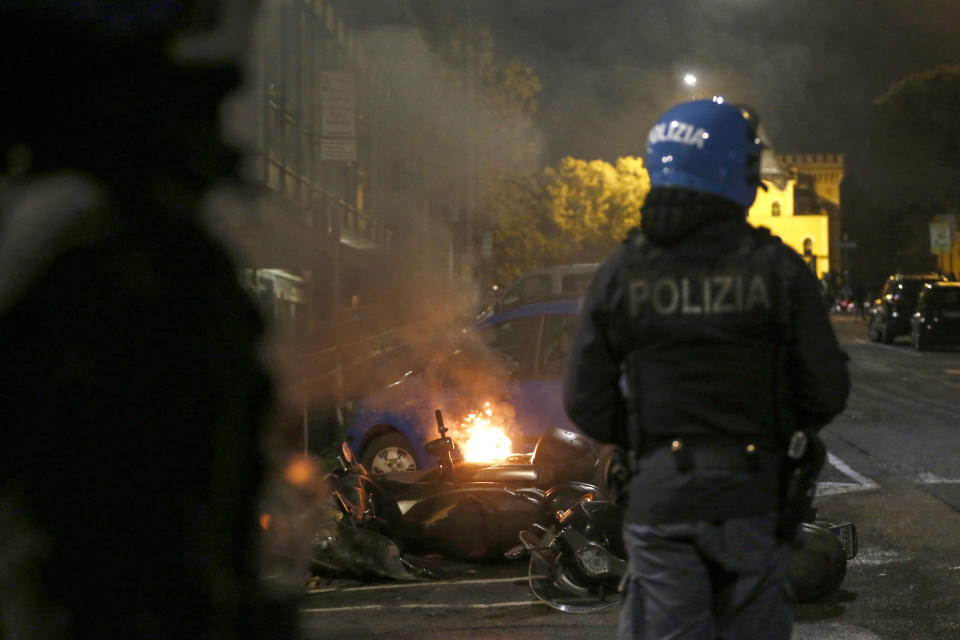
708	146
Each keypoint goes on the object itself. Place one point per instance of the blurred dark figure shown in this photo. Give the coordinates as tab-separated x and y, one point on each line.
133	400
829	288
859	299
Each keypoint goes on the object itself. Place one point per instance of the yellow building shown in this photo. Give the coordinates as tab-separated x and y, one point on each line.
826	169
776	209
819	176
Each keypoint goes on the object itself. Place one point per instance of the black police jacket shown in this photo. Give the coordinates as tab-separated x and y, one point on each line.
718	340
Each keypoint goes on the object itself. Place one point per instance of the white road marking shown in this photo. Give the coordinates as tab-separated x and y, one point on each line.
377	607
831	631
931	478
426	583
836	488
862	482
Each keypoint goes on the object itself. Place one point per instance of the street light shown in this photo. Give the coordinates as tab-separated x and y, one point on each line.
690	80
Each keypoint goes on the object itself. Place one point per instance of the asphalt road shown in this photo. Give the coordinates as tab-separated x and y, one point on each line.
893	470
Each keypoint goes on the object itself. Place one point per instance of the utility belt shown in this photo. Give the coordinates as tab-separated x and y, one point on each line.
688	453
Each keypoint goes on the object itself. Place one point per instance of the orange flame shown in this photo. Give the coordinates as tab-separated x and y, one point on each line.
482	438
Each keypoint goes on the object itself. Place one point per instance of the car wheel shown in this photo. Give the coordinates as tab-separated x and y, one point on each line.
389	452
872	330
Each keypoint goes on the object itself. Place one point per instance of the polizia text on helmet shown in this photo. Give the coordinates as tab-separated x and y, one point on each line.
678	132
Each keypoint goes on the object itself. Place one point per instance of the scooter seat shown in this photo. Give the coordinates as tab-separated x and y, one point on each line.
512	473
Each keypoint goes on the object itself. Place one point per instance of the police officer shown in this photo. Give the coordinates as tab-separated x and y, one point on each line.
702	344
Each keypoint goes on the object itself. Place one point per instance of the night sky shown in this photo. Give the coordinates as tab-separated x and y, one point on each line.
810	67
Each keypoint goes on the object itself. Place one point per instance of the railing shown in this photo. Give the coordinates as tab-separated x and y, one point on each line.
328	378
364	226
309	198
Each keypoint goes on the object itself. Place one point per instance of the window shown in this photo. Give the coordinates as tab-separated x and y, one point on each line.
555	344
945	299
535	288
529	289
909	291
575	285
511	297
775	209
517	340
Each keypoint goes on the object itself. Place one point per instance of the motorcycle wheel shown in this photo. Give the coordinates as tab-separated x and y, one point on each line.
558	585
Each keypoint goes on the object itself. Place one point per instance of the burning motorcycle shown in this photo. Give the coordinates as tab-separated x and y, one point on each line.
458	509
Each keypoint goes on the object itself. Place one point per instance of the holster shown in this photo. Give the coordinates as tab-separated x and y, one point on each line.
622	468
798	487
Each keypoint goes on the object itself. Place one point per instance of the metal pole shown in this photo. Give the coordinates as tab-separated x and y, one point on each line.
338	213
471	90
306	419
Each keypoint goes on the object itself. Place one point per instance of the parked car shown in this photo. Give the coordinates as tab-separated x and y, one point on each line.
890	313
936	322
559	281
514	359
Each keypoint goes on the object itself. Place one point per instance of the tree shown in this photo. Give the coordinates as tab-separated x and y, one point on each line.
524	236
594	204
914	173
889	237
577	211
916	138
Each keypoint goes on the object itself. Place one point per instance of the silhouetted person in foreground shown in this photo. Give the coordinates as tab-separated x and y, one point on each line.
133	402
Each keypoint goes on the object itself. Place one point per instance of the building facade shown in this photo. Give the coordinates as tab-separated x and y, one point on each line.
782	206
345	230
819	177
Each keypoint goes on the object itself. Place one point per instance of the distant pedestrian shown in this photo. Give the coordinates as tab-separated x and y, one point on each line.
828	287
859	299
720	331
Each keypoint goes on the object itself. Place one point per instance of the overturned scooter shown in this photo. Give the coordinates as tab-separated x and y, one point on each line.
578	561
556	500
456	509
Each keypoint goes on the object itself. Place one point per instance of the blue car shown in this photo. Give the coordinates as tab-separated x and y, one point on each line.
512	362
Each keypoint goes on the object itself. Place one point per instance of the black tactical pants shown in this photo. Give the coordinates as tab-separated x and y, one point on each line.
704	581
